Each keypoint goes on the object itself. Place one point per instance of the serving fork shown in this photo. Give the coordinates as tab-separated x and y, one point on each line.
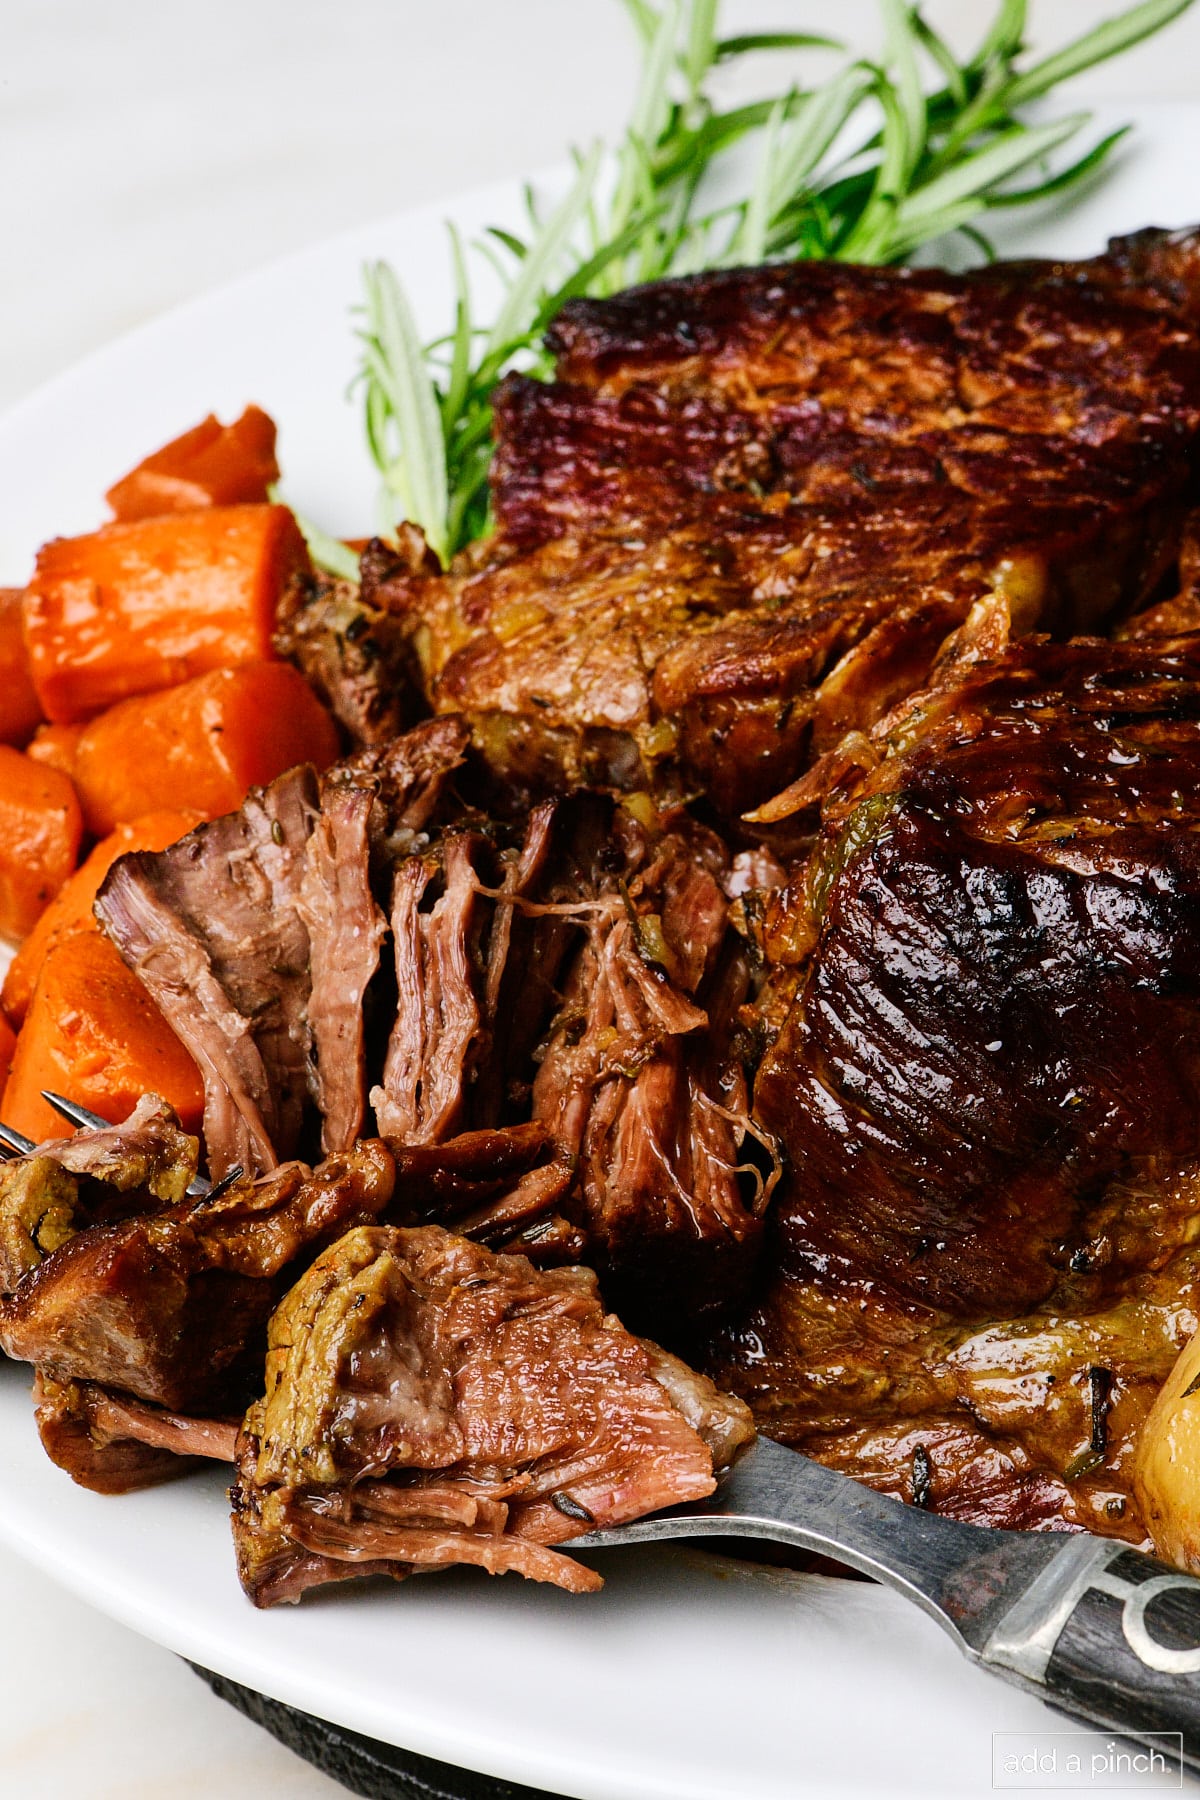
17	1144
1089	1625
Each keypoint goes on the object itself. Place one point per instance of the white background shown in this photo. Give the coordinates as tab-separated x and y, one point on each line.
150	150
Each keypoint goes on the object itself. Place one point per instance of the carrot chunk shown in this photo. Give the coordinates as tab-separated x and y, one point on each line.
8	1044
211	465
201	745
20	714
55	745
140	606
40	832
94	1033
71	909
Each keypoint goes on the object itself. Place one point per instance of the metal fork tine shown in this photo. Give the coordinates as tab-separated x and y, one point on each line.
77	1115
90	1121
16	1141
226	1182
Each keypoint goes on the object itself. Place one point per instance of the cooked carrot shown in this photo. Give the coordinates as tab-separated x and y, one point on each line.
71	909
211	465
201	745
136	607
20	714
94	1033
40	832
55	745
8	1044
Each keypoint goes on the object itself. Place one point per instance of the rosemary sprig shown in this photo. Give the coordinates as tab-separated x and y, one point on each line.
876	160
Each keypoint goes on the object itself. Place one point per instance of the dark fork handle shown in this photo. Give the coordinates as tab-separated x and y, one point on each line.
1109	1635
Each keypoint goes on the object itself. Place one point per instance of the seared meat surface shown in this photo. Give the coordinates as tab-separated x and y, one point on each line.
997	1018
755	503
430	1403
988	1086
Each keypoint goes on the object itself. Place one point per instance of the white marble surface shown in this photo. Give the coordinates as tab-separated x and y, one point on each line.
151	150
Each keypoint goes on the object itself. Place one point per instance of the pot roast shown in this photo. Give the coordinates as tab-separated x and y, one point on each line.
762	888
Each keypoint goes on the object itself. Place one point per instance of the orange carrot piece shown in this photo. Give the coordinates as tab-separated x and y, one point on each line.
55	745
94	1033
20	714
211	465
201	745
40	833
8	1044
71	909
140	606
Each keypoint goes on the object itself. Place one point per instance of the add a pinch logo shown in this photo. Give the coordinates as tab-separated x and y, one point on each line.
1086	1761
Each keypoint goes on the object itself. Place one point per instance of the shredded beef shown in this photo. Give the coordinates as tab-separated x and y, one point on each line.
213	930
169	1305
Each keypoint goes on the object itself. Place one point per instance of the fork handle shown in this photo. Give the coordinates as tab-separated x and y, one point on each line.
1112	1636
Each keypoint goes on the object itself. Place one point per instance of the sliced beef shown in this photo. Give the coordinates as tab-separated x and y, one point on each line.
169	1305
750	510
429	1403
212	928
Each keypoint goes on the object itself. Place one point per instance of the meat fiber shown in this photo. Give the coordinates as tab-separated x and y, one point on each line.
114	1445
258	935
754	504
429	1403
346	930
212	928
642	1087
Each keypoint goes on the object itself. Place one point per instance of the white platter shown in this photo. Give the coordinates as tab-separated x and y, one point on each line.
689	1677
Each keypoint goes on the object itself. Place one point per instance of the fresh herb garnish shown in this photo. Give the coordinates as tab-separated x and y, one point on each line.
876	160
